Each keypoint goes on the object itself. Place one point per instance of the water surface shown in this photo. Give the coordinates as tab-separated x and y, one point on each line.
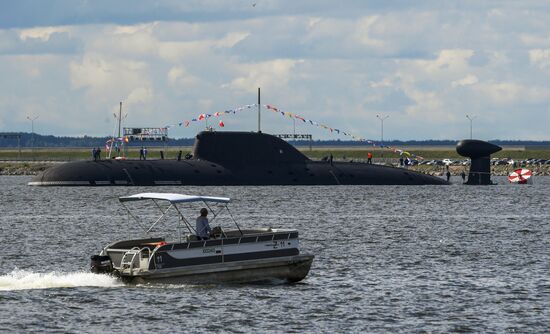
388	259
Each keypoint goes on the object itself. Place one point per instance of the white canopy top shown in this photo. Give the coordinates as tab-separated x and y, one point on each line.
173	198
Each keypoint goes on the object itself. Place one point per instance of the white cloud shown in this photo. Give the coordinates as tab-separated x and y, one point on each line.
540	58
468	80
449	61
428	106
231	39
271	75
503	93
340	65
140	95
535	40
364	32
124	41
179	77
42	33
176	52
134	29
106	79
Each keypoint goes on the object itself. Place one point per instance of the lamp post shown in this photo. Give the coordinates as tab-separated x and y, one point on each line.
471	118
382	118
32	119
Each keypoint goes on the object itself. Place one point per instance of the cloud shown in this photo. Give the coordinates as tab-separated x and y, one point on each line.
447	61
30	13
106	80
48	40
140	95
271	75
540	58
427	106
180	78
468	80
364	33
426	64
505	93
42	33
535	40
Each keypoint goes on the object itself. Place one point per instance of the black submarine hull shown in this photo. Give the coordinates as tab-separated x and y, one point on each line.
230	158
198	173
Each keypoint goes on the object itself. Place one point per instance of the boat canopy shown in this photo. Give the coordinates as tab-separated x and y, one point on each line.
173	198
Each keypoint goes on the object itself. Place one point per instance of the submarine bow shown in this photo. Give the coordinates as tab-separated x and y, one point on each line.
230	158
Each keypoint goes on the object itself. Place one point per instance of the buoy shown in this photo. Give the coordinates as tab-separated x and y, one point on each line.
521	176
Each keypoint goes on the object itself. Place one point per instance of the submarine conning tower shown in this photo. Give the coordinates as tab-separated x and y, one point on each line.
238	148
479	153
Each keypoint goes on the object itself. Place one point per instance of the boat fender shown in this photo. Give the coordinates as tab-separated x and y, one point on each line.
100	264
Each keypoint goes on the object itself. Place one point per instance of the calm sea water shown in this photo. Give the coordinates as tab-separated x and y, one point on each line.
388	259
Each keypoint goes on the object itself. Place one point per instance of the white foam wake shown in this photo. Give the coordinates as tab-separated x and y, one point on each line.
26	280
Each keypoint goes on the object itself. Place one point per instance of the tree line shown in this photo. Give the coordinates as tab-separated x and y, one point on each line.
10	140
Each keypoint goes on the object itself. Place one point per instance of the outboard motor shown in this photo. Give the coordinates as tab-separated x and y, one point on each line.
100	264
479	153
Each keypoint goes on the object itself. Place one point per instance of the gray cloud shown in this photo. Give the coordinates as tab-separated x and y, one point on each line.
425	64
57	43
33	13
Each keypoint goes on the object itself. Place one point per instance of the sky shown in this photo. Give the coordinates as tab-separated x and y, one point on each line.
424	64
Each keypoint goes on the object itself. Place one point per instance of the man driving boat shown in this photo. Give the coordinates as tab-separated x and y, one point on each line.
202	227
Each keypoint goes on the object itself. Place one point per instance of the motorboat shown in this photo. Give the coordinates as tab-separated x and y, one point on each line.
229	255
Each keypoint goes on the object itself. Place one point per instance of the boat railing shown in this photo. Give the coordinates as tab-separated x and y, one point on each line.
192	242
132	253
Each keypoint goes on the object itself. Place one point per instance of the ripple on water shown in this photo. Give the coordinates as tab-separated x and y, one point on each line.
388	259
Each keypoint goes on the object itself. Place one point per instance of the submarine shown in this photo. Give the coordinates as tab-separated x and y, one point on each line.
230	158
479	152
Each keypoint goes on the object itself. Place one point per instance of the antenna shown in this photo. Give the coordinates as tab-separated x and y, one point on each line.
259	108
119	118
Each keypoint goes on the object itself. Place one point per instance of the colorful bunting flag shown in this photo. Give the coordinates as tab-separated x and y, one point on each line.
291	115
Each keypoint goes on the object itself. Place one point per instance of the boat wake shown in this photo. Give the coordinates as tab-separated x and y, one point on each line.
28	280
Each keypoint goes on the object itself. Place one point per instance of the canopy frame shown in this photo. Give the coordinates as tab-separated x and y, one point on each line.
173	199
